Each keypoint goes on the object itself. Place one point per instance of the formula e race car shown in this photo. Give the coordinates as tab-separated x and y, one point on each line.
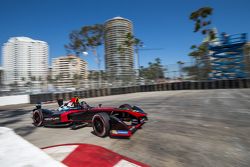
122	121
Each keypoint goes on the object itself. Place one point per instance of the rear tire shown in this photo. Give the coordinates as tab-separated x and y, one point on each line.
37	118
101	125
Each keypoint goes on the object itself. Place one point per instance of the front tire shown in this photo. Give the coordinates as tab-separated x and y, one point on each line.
101	125
37	118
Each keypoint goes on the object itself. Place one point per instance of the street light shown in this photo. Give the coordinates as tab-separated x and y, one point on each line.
98	62
85	53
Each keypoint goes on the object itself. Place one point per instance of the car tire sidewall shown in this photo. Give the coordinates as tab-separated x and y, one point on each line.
39	113
104	117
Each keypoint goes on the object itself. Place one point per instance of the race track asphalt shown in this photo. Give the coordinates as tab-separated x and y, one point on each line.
186	128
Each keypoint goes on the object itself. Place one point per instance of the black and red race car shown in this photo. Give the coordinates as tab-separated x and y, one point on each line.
122	121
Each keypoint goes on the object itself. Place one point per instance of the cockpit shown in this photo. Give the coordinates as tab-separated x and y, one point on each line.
73	104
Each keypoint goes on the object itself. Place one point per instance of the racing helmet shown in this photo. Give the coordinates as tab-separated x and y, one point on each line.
74	102
70	104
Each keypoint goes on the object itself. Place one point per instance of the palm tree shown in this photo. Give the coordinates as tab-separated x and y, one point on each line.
136	43
131	40
202	20
88	38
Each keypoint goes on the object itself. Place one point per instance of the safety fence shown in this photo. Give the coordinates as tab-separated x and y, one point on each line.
197	70
185	85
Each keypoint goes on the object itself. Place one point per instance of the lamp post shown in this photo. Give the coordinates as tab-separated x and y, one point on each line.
98	62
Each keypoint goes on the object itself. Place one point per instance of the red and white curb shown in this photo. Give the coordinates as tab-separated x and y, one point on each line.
17	152
78	155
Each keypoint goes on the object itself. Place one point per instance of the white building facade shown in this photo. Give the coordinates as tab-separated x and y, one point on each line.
69	71
118	64
25	60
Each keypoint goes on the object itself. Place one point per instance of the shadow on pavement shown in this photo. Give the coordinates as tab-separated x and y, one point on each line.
18	120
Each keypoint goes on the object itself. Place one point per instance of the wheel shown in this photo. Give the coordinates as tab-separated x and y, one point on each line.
101	125
125	106
37	118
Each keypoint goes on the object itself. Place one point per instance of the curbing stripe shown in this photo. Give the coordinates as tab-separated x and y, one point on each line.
124	163
77	155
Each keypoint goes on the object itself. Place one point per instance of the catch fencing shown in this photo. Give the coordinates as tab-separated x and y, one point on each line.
185	85
171	75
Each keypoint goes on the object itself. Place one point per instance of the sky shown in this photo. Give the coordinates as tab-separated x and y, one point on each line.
158	23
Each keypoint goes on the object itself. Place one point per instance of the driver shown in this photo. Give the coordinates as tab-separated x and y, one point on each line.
73	103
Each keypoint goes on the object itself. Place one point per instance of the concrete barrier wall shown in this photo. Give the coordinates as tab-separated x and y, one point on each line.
18	99
186	85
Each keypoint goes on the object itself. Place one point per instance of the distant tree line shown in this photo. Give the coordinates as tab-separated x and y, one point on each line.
154	71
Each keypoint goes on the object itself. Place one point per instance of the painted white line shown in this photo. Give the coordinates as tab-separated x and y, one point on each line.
59	153
124	163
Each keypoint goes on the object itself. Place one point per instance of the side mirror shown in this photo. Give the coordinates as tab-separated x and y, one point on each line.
100	105
60	102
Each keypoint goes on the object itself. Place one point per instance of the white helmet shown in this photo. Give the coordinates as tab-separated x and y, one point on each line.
70	104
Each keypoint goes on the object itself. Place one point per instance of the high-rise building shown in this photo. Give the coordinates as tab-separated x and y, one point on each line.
69	71
119	63
24	60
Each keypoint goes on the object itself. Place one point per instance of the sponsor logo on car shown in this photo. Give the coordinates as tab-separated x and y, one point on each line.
51	119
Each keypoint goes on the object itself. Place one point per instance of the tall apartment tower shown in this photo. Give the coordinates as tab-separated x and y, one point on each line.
69	71
24	60
119	63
